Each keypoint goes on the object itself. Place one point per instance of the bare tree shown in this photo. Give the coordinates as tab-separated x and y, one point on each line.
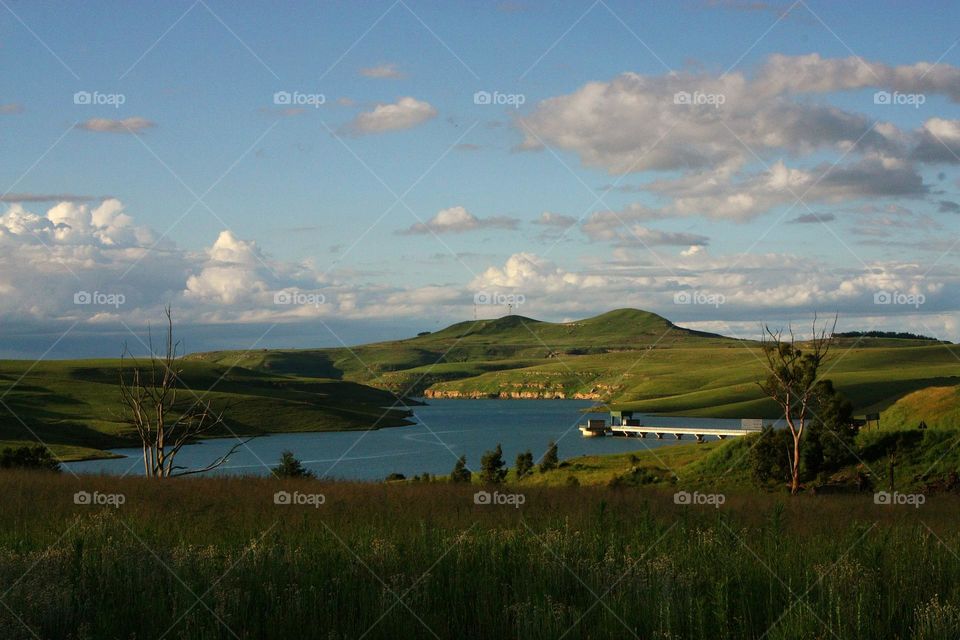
149	394
794	368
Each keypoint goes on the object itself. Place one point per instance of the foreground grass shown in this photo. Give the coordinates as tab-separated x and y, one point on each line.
216	558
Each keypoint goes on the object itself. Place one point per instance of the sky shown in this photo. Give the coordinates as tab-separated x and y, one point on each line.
321	174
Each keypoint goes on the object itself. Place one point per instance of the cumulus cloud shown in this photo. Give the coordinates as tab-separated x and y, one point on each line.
717	135
814	74
126	125
645	236
743	288
717	195
382	71
611	225
949	206
232	273
529	272
405	113
813	218
549	219
47	258
458	220
634	123
939	141
49	197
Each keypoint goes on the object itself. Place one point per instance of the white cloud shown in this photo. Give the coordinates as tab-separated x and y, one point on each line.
234	272
717	195
47	258
125	125
527	272
717	135
550	219
382	71
405	113
457	220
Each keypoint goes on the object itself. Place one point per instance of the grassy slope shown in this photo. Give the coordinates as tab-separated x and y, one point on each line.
938	407
464	570
919	458
73	405
630	358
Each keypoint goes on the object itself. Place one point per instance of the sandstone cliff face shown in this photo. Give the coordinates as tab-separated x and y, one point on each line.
534	391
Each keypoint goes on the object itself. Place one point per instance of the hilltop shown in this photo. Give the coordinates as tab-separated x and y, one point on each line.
627	357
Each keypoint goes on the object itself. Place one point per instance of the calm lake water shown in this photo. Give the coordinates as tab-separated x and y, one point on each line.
445	429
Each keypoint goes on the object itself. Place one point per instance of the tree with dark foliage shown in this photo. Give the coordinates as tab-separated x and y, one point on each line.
831	441
290	467
460	471
551	459
37	457
524	464
493	469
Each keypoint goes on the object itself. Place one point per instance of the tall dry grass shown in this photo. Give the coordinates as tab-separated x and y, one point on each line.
216	558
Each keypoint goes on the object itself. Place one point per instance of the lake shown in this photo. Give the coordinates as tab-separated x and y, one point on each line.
445	429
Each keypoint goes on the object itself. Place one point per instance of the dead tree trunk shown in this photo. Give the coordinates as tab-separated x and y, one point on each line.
164	423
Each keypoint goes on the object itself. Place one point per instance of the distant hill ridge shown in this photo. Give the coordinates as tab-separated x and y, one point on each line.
629	357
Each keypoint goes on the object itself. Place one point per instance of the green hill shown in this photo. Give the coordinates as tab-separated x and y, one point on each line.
630	358
73	406
937	407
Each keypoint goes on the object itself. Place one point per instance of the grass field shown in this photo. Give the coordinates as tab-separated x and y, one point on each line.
74	406
216	558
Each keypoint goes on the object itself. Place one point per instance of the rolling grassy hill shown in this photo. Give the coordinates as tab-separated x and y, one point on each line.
628	358
73	406
937	407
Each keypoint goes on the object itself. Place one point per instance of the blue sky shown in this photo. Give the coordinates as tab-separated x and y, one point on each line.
400	202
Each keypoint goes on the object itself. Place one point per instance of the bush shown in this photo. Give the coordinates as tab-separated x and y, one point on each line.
290	467
37	457
492	467
460	472
830	441
524	464
770	456
551	458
